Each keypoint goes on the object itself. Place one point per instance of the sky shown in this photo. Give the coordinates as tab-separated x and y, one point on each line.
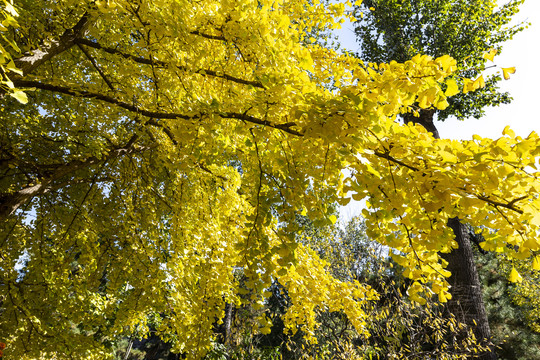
522	114
523	52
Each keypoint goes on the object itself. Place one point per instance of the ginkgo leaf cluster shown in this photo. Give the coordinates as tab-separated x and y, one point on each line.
167	143
471	31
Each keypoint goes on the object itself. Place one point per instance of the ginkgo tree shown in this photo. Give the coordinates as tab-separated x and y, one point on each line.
160	145
471	31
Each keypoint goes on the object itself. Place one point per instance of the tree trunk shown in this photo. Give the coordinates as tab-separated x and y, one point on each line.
467	304
227	322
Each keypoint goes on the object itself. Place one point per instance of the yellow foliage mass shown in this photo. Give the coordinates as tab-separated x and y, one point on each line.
198	131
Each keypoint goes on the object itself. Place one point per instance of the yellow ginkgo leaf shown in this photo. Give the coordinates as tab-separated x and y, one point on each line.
479	83
508	71
531	244
489	55
468	85
509	132
514	276
451	87
444	296
536	263
20	96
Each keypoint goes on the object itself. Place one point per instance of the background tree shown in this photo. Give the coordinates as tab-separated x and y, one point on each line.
514	334
398	327
466	29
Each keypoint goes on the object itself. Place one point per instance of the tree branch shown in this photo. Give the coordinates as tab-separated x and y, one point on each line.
387	156
9	203
93	61
165	129
160	63
31	60
208	36
509	205
286	127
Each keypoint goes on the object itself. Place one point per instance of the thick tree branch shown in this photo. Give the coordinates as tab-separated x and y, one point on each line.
208	36
30	61
165	129
286	127
146	61
9	203
509	205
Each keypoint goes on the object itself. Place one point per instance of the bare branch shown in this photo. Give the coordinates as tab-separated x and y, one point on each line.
160	63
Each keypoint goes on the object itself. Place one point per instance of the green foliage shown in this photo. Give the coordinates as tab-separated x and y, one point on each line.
465	29
510	310
398	327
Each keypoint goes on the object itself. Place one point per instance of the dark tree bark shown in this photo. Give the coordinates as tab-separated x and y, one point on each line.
425	119
224	330
467	304
227	322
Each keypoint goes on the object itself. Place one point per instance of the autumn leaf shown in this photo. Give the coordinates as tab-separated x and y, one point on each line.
489	55
451	87
169	154
515	276
536	263
479	83
508	71
20	96
509	132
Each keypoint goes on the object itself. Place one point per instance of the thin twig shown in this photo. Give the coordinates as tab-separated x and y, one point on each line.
164	64
93	61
